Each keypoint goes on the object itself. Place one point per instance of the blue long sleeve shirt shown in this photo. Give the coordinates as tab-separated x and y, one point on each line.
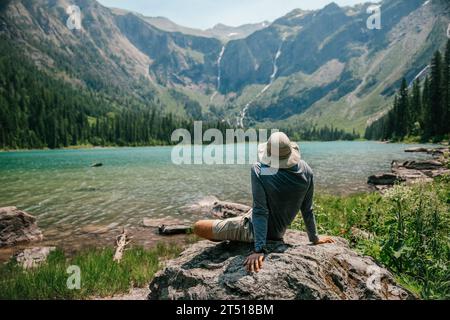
278	196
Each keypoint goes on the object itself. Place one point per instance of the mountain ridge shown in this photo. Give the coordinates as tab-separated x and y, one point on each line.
314	67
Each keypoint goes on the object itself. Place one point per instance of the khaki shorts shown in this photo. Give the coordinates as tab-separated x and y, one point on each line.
234	229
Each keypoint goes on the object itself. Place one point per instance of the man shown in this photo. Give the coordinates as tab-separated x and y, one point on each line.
282	185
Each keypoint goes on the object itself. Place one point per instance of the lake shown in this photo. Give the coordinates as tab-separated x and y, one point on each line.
61	189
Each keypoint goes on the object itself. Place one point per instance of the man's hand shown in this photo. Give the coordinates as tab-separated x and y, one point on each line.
324	240
254	262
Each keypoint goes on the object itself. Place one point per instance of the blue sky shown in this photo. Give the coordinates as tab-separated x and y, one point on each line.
206	13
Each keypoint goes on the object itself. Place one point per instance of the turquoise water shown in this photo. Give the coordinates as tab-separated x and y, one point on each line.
61	189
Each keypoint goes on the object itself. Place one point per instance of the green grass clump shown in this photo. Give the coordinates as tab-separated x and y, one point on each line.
100	275
407	230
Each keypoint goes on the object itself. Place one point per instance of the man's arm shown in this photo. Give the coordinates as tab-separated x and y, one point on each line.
308	214
260	215
260	211
309	218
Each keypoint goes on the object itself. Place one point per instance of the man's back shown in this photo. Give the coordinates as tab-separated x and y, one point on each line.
278	196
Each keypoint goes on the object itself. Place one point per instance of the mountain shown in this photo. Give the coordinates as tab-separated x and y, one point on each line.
227	33
326	67
321	67
219	31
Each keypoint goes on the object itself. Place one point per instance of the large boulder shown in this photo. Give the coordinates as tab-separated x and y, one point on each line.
292	270
33	257
17	226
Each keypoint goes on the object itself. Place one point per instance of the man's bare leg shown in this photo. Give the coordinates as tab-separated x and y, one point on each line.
204	229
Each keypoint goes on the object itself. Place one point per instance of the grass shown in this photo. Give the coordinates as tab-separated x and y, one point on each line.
406	230
100	275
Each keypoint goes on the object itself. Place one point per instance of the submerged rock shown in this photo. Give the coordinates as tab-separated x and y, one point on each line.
96	165
156	223
17	226
292	270
31	258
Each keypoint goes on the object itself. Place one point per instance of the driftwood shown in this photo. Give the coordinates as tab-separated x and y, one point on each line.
121	242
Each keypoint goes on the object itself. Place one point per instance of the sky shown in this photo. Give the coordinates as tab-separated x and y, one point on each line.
204	14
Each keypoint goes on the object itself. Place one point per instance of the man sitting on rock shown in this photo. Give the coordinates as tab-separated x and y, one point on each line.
282	185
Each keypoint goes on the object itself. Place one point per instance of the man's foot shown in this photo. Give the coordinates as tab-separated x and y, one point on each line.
204	229
324	240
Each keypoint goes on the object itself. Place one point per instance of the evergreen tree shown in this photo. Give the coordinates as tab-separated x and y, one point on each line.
416	110
422	112
445	87
436	109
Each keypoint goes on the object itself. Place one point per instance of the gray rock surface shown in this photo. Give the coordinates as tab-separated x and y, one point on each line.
33	257
212	207
17	226
292	270
226	210
411	172
382	179
433	151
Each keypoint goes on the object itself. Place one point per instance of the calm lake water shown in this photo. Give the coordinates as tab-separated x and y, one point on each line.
61	189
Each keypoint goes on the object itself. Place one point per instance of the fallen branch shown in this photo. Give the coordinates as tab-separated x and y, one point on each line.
121	242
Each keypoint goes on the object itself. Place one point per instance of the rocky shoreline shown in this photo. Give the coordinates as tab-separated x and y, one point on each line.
410	172
214	271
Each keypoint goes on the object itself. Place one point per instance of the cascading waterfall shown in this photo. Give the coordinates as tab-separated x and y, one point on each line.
272	79
219	73
421	75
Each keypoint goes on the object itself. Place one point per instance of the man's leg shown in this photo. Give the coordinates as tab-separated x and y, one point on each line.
233	229
204	229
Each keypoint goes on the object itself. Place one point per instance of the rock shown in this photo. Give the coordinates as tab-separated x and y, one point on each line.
172	230
31	258
216	208
434	151
410	172
361	234
422	165
226	210
384	179
96	165
156	223
204	206
420	149
292	270
409	175
17	226
413	171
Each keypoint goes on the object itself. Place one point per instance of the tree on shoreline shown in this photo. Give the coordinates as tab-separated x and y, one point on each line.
421	112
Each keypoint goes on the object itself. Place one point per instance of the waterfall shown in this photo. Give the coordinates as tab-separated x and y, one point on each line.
421	75
219	73
271	80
